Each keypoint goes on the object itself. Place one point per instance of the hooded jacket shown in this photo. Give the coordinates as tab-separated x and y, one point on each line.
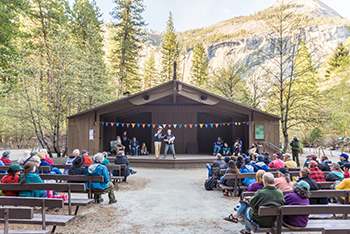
98	169
32	178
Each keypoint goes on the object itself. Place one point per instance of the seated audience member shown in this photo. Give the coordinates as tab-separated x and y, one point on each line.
259	182
231	170
144	150
122	159
218	144
226	150
288	162
247	168
237	147
325	164
343	159
12	177
134	146
220	162
276	162
105	160
119	146
30	177
70	159
46	156
305	176
78	167
283	181
87	160
308	160
336	174
299	196
315	173
346	171
1	165
253	150
98	169
344	185
260	163
6	158
268	196
43	162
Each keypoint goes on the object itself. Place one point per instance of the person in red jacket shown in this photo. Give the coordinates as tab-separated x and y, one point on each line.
12	177
6	158
315	173
87	160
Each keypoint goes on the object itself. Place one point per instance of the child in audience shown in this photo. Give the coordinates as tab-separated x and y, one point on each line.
299	196
259	182
346	171
276	163
231	170
343	157
283	181
144	150
6	158
12	177
134	146
315	172
30	177
226	150
288	162
218	144
70	159
336	174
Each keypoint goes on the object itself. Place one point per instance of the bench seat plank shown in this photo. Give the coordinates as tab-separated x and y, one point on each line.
27	232
54	220
80	201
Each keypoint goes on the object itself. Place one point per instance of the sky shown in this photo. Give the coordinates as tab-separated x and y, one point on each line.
190	14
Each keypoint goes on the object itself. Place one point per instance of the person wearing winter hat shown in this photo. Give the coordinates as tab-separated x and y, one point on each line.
12	177
336	173
6	158
283	181
299	196
247	168
260	163
78	167
343	157
276	163
30	177
288	162
98	169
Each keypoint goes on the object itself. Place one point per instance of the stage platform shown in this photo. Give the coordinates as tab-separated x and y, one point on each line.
181	161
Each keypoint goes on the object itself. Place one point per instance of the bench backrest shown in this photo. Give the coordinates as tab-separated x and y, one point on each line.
314	193
304	210
41	169
31	202
16	212
75	178
58	187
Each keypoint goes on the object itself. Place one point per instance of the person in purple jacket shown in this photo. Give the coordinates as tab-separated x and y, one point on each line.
299	196
259	182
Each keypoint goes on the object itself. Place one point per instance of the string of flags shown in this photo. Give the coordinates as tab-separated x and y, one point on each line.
172	125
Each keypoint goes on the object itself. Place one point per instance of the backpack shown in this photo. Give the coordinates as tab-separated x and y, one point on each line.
210	183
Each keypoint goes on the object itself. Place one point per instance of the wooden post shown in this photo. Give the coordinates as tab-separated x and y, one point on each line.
6	221
43	216
69	200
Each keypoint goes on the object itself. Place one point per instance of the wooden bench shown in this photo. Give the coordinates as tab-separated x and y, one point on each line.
7	213
313	225
57	187
42	219
43	169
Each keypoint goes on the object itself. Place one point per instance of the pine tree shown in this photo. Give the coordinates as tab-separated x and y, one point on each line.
129	35
150	76
199	70
93	80
339	58
169	50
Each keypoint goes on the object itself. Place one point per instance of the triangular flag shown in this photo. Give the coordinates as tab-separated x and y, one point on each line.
138	125
153	126
174	125
190	125
211	125
185	125
201	125
164	125
206	125
169	125
117	124
133	125
122	124
180	125
195	125
149	125
143	125
112	124
127	125
216	125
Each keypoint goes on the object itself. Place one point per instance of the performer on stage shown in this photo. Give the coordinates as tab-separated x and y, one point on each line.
169	140
157	138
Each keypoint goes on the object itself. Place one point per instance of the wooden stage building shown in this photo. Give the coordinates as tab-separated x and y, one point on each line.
196	117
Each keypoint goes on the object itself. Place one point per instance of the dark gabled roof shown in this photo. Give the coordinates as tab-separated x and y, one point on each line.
170	83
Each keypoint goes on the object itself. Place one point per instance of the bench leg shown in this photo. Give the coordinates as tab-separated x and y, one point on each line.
53	229
76	210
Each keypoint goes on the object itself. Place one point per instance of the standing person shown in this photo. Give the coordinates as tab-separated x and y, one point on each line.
157	138
126	142
169	140
295	144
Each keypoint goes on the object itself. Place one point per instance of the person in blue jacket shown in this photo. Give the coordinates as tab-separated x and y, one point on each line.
226	150
260	163
30	177
98	169
218	144
247	168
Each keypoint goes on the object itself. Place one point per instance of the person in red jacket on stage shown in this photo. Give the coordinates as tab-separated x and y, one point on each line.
6	158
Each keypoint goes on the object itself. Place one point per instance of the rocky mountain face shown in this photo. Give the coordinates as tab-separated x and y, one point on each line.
243	38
